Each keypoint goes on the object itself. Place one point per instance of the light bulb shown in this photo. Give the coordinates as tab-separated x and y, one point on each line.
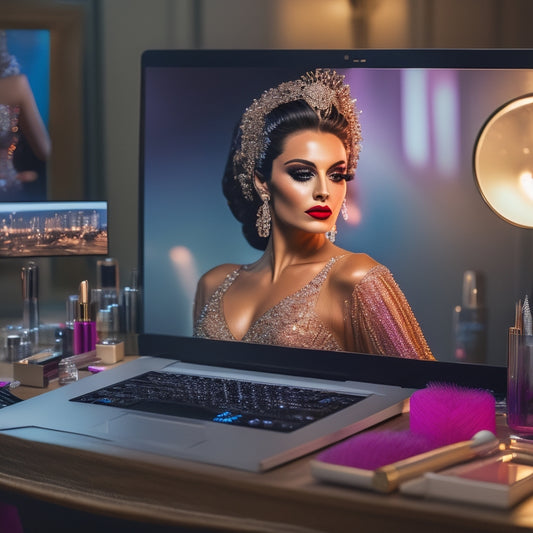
526	183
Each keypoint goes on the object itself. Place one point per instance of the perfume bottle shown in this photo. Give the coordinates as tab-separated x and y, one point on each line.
470	321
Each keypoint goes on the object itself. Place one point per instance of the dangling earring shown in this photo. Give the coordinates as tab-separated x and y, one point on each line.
263	218
344	210
331	234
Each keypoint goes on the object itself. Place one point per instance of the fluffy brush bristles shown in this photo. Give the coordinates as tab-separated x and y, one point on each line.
448	413
375	449
440	414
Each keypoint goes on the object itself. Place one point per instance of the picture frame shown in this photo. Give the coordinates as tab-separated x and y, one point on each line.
65	24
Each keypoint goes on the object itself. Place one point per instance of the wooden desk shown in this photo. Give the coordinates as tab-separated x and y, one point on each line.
187	494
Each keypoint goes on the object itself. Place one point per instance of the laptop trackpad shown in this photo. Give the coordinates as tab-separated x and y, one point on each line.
163	433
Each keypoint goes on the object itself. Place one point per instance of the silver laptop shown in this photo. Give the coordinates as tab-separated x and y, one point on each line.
242	439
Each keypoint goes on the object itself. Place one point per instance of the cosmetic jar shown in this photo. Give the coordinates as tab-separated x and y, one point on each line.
13	348
68	371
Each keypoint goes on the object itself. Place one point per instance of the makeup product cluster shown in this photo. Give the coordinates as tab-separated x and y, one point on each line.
450	452
98	322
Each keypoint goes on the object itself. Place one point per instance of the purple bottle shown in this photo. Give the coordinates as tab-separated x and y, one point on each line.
84	327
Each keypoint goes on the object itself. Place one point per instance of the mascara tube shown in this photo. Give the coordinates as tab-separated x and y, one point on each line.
84	326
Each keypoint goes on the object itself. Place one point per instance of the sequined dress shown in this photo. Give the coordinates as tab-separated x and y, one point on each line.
9	119
380	319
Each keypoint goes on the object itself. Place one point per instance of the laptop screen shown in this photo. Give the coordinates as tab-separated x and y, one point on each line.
414	203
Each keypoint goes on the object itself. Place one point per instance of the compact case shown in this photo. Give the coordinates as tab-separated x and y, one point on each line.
500	481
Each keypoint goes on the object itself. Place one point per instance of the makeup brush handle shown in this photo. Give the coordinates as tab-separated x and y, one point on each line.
388	478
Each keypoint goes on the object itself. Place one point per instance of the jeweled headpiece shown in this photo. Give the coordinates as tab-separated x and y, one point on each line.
322	90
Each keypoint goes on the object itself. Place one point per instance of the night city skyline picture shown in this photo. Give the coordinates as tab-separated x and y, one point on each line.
39	229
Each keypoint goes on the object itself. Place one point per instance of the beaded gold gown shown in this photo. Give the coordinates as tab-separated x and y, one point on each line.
380	318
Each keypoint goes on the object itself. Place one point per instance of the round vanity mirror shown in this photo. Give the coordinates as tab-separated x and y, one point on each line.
503	161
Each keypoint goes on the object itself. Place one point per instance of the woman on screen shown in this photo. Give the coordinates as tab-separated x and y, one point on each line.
294	152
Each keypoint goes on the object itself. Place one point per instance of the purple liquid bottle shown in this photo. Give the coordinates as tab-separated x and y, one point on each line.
84	327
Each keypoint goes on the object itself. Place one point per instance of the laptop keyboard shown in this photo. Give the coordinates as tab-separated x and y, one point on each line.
7	398
228	401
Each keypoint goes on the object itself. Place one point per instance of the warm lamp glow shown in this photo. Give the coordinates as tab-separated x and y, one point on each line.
526	183
502	159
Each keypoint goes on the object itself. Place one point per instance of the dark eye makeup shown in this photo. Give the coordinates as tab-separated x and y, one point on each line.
301	173
306	173
339	176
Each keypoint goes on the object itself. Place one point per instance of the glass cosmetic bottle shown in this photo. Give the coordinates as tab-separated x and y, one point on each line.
30	300
470	321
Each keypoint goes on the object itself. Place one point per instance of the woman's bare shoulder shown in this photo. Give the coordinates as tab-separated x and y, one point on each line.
352	268
13	89
214	277
209	283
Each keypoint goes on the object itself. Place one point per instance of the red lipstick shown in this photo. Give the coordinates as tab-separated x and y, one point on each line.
320	212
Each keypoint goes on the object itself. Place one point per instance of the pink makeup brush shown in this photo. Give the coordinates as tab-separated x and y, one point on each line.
448	424
374	449
449	413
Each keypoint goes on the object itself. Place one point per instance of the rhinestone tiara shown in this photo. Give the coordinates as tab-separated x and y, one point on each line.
322	89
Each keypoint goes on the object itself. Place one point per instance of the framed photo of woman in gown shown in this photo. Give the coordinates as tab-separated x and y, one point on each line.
41	98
